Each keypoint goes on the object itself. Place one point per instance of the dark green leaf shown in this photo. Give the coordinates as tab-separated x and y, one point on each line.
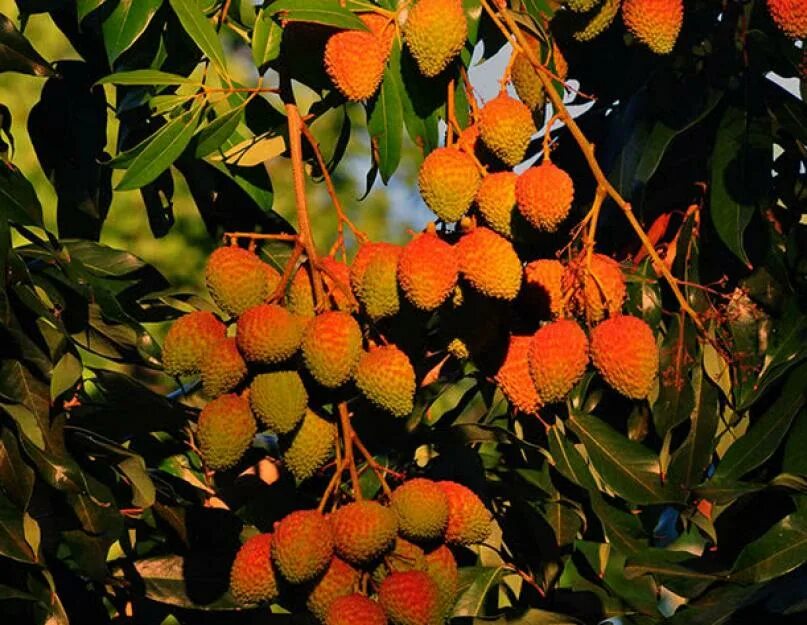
18	201
327	12
163	149
125	24
16	477
780	550
676	397
627	467
85	7
266	38
17	54
144	492
201	31
385	125
12	535
168	579
145	77
66	374
475	583
568	460
621	528
212	136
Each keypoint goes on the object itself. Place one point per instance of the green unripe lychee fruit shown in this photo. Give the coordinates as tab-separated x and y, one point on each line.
363	531
188	340
236	279
435	31
252	576
506	126
268	334
373	277
223	368
332	347
225	431
302	545
386	377
422	509
448	180
310	446
278	399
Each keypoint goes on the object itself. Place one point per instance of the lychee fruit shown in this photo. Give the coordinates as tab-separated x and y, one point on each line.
790	16
188	340
405	556
363	531
386	377
489	263
448	180
558	356
332	347
310	446
496	200
506	126
544	195
427	270
355	62
336	277
268	334
656	23
302	545
223	368
278	399
339	580
435	31
543	281
252	576
236	279
355	609
469	521
382	27
225	431
422	509
442	568
373	276
603	289
411	598
514	377
624	351
300	296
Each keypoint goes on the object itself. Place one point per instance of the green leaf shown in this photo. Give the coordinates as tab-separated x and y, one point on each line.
201	31
385	125
690	460
676	398
143	489
12	534
18	200
65	374
85	7
163	149
778	551
146	77
327	12
212	136
17	54
627	467
623	530
740	175
475	583
764	437
16	477
125	24
266	38
167	580
568	460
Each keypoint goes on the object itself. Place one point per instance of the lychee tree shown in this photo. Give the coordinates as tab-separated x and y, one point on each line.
576	392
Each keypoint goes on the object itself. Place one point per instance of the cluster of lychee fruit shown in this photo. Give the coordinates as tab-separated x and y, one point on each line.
367	563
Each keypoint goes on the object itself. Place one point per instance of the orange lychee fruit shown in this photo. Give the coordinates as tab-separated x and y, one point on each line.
355	62
544	196
514	377
506	126
558	356
489	263
624	351
448	180
427	270
188	340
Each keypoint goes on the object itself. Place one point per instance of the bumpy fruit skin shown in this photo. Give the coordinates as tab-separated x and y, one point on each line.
624	350
332	347
411	598
355	62
339	580
506	126
603	18
355	609
363	531
496	199
310	447
278	399
373	277
603	291
252	576
302	545
383	28
514	378
386	377
422	509
268	334
655	23
790	16
188	340
442	568
468	518
340	293
236	279
489	263
435	31
544	285
405	556
544	196
528	86
223	368
427	270
581	6
448	180
558	356
225	430
300	297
